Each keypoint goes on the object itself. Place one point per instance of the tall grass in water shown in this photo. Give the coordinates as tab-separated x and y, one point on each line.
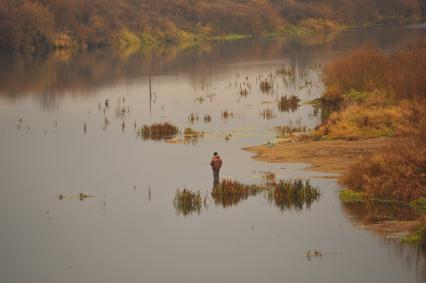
158	131
229	192
266	85
187	202
287	104
294	194
284	194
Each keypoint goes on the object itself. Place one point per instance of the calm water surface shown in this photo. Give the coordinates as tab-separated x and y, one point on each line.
129	230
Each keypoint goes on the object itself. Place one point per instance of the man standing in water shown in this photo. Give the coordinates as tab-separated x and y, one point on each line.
216	163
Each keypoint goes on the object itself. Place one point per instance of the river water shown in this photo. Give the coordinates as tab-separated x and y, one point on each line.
58	138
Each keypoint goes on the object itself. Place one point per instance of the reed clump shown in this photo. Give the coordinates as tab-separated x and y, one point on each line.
228	192
192	136
207	118
285	194
266	85
187	202
294	194
227	114
158	131
288	103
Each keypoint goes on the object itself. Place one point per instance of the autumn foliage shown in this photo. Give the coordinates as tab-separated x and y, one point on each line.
35	24
379	95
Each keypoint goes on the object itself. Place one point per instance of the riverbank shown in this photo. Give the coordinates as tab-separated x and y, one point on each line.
332	156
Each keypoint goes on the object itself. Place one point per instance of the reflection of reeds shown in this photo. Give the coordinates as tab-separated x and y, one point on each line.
286	104
192	136
243	92
286	131
187	202
267	114
193	117
158	131
294	194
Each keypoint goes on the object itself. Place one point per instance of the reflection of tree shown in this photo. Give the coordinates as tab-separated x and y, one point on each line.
61	72
373	212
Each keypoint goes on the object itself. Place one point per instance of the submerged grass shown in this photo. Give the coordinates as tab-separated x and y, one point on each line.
187	202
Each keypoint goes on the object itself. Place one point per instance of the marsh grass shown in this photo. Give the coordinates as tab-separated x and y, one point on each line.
294	194
187	202
157	131
286	131
266	86
192	136
285	194
207	118
287	104
229	193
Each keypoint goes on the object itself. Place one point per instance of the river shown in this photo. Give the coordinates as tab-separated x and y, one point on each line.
57	138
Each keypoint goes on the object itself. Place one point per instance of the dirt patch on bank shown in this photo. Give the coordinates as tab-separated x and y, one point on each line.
325	156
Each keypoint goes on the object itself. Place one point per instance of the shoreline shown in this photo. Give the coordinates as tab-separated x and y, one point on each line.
331	156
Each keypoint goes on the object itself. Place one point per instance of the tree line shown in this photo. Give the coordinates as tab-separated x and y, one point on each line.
37	24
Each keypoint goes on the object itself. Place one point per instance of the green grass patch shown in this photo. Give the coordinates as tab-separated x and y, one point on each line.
351	196
419	205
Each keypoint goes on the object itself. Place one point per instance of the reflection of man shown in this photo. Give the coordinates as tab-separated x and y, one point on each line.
216	163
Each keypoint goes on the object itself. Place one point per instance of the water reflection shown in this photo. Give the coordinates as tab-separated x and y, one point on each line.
64	72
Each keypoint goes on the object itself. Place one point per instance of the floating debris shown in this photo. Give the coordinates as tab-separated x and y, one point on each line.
314	253
80	196
187	202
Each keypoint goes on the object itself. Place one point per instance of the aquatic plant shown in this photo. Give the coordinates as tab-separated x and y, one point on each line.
229	192
266	85
158	131
267	114
227	114
288	72
121	111
287	104
187	202
294	194
193	117
207	118
243	92
192	136
285	131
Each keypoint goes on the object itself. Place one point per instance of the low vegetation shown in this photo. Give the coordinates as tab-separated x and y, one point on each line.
294	194
285	194
287	104
158	131
187	202
35	24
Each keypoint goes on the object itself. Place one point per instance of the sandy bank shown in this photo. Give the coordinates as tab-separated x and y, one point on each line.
326	156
